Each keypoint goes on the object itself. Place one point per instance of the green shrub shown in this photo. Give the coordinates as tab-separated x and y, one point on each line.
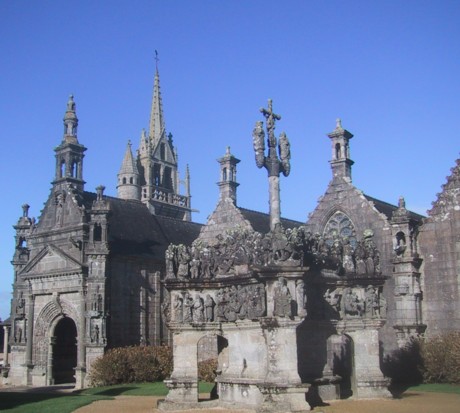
207	370
441	358
132	364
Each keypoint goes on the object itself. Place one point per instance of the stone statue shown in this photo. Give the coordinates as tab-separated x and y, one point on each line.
209	308
187	308
178	309
282	299
372	302
166	309
170	257
258	140
198	310
353	306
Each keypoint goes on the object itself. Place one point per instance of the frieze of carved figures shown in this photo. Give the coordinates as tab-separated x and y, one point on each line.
356	302
230	304
294	246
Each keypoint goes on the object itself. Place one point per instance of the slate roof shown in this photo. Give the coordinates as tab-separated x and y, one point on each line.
132	229
388	209
260	221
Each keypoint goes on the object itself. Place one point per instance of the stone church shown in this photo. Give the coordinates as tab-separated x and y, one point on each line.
96	272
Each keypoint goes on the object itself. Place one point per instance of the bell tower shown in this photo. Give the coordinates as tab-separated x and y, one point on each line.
157	166
69	154
340	163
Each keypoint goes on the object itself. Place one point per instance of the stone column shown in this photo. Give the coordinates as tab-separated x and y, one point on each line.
275	203
30	330
49	364
80	371
5	345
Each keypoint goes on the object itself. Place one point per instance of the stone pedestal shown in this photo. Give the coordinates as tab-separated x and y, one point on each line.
368	381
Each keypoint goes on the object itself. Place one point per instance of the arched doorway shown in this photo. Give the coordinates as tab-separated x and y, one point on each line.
64	351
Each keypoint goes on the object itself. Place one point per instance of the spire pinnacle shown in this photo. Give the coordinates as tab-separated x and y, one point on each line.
157	125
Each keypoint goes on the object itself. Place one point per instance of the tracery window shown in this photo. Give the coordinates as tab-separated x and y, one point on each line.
339	225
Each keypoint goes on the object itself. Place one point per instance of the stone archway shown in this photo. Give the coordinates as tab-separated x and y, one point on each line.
64	354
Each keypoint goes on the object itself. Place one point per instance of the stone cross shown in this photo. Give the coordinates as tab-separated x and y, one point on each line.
272	163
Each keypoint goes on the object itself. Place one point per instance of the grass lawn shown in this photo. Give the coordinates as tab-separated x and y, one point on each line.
21	402
437	388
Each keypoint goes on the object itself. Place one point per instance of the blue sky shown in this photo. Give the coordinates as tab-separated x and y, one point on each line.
389	69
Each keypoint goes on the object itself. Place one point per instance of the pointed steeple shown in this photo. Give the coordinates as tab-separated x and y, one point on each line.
340	163
157	124
128	178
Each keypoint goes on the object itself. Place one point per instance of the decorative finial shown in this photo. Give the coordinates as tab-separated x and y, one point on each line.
401	202
338	123
227	152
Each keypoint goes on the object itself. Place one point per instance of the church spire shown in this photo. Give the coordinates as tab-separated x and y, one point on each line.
157	124
340	163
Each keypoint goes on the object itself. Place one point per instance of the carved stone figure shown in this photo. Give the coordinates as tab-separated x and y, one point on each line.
166	309
198	310
282	299
183	259
187	308
258	140
169	257
209	308
347	262
353	306
178	309
333	298
372	302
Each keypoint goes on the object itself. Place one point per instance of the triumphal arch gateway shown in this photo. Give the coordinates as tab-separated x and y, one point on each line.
278	304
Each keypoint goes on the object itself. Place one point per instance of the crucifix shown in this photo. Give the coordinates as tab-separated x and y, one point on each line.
272	163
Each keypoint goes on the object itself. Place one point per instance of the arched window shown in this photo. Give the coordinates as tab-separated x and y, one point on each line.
337	151
224	174
131	180
162	151
124	180
339	225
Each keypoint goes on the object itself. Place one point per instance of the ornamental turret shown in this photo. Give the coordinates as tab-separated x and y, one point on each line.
340	162
128	178
69	154
227	183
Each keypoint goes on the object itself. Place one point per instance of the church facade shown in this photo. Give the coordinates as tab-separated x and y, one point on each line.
96	272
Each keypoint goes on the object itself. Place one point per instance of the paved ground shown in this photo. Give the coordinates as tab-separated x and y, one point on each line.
410	402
